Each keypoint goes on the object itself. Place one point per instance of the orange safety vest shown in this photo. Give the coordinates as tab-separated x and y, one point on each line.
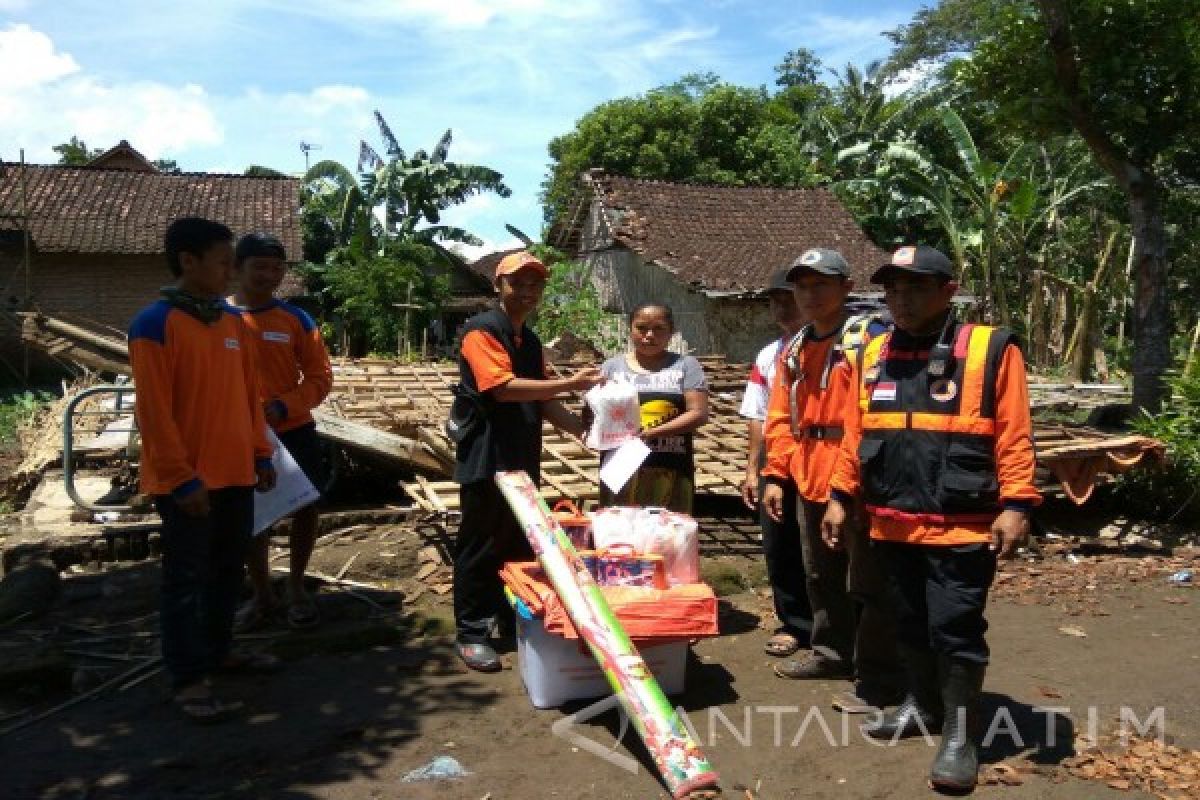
851	338
928	428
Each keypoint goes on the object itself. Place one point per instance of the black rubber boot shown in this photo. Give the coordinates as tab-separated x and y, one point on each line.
956	765
921	710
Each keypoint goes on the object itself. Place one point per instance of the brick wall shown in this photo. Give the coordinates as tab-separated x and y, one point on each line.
106	289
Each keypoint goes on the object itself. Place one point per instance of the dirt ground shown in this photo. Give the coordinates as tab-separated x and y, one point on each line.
376	692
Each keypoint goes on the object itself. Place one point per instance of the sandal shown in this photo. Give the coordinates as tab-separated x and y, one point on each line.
479	657
254	616
244	663
303	613
781	645
205	709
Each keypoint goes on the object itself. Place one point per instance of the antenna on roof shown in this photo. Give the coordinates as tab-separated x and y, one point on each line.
306	148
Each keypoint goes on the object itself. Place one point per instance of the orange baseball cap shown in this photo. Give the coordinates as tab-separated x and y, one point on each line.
514	262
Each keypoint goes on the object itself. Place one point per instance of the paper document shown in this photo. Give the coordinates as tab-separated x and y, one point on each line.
293	490
619	467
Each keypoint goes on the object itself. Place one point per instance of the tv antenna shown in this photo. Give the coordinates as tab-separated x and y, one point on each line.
306	148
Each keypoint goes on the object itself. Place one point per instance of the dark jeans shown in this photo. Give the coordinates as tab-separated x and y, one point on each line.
488	536
939	594
851	620
202	569
784	554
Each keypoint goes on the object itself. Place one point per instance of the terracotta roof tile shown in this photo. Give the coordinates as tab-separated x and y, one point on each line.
721	238
90	210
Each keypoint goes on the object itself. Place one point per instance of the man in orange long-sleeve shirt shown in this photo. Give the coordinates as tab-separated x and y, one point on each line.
204	450
938	443
294	377
851	630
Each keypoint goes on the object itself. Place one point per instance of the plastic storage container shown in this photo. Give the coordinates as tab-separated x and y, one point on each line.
556	670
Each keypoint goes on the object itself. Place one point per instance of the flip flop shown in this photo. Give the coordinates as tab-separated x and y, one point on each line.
206	709
782	645
479	657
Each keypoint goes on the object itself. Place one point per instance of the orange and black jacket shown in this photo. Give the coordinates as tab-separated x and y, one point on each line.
197	407
803	430
293	365
936	457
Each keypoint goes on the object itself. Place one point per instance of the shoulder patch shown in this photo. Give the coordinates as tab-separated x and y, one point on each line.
151	323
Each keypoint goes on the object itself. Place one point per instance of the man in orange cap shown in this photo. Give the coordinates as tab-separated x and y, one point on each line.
496	421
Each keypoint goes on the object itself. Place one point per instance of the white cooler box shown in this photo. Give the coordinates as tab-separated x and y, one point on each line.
557	670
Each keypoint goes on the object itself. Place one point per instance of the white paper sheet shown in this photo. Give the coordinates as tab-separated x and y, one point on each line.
293	490
622	463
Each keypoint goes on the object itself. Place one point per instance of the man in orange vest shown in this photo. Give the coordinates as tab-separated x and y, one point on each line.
939	447
851	633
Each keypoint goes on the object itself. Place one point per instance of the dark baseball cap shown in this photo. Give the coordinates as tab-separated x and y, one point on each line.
820	261
779	282
919	260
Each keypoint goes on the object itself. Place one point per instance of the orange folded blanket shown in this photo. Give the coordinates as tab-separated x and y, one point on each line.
686	611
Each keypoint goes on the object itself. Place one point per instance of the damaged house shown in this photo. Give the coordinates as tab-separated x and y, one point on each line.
706	251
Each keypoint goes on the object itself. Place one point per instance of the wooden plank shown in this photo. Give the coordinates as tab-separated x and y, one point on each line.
408	452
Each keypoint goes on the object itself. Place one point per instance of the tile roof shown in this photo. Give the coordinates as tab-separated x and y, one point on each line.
718	238
91	210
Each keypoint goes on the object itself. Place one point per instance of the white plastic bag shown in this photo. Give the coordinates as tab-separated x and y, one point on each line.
652	531
618	416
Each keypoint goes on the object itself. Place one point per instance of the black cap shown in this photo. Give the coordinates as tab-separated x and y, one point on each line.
820	261
779	282
919	260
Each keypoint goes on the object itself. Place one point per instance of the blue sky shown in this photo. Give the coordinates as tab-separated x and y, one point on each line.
221	84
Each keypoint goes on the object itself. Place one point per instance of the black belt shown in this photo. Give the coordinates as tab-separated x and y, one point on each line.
830	433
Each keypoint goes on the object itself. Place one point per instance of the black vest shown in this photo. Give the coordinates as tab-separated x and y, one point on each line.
507	436
927	450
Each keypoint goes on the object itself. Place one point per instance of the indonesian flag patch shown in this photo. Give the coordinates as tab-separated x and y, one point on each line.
884	392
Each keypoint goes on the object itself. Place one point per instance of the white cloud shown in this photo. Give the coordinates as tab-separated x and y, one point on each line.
54	99
28	58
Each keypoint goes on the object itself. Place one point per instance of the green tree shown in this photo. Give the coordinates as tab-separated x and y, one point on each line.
1124	75
168	166
689	131
259	171
800	67
75	153
371	239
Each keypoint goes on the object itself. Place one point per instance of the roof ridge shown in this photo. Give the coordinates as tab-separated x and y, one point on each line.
187	174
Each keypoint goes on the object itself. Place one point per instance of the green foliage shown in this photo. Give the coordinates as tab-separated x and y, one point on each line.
16	409
1139	63
168	166
800	67
571	303
366	286
259	171
1170	493
696	130
75	153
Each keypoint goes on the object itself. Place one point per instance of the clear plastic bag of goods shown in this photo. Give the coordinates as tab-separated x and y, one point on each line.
618	416
652	531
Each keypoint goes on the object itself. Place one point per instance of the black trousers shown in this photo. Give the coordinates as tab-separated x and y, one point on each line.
783	550
851	621
938	594
488	536
202	570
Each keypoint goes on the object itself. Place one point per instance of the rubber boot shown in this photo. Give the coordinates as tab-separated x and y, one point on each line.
956	765
921	710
